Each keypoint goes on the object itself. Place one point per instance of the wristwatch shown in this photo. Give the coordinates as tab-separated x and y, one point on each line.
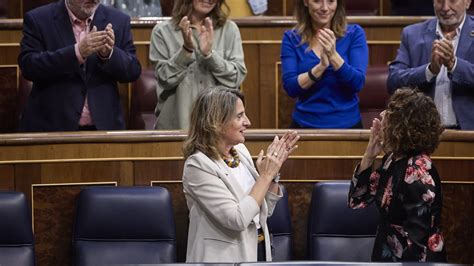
276	179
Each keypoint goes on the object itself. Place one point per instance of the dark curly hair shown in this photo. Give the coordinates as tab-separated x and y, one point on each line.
411	123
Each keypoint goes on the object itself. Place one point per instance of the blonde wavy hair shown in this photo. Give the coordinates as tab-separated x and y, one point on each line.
212	109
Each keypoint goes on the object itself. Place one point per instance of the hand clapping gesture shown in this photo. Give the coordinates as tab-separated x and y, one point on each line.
375	147
276	155
328	40
185	27
92	42
206	37
442	53
101	42
107	47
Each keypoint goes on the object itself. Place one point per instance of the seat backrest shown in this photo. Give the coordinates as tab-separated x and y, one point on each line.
16	234
374	96
363	8
335	231
124	225
143	101
279	225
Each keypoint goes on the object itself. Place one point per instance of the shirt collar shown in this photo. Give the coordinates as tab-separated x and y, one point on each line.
73	17
439	32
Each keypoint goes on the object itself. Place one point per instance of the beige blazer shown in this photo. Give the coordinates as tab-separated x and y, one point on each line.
221	227
181	78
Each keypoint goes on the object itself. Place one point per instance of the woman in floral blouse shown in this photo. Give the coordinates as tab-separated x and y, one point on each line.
406	188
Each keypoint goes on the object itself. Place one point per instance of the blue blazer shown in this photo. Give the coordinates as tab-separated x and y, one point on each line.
60	85
408	68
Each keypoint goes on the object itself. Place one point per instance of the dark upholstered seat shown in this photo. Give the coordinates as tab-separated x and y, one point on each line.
16	234
336	232
279	225
374	96
124	225
143	101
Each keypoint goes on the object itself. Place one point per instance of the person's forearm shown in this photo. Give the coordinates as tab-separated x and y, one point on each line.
366	162
305	81
336	61
260	189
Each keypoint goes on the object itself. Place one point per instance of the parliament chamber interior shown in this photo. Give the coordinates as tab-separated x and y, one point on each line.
53	172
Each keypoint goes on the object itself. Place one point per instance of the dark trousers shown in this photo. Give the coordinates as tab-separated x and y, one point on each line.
87	128
261	251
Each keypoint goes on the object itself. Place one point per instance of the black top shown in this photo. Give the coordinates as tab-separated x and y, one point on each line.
407	193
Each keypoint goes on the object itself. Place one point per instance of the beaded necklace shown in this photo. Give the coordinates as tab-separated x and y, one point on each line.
235	161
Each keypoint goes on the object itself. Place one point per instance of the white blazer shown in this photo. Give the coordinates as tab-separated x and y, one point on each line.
221	226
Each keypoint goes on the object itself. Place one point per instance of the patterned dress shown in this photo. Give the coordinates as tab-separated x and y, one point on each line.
407	193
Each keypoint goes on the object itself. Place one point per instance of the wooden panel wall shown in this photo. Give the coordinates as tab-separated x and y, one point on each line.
16	8
8	98
51	168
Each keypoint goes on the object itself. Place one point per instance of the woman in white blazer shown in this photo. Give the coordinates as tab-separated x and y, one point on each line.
229	200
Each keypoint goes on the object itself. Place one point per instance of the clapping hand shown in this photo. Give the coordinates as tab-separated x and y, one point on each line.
324	60
92	42
109	43
374	148
206	37
328	40
442	53
276	154
185	27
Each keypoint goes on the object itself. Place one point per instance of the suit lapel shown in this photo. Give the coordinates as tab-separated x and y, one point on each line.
429	37
465	40
64	28
100	21
63	24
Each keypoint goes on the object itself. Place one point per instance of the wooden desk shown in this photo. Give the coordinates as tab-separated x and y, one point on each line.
51	168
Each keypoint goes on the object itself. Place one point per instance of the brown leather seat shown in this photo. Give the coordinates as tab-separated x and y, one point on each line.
363	8
374	96
143	101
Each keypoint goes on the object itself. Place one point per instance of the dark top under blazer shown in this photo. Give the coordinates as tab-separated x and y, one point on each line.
60	85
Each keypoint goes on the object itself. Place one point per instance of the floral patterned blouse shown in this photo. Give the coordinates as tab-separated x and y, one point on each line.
407	193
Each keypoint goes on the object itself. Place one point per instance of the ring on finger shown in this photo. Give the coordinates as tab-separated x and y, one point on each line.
275	154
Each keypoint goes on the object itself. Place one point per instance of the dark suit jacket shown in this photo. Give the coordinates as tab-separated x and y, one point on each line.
60	85
408	68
